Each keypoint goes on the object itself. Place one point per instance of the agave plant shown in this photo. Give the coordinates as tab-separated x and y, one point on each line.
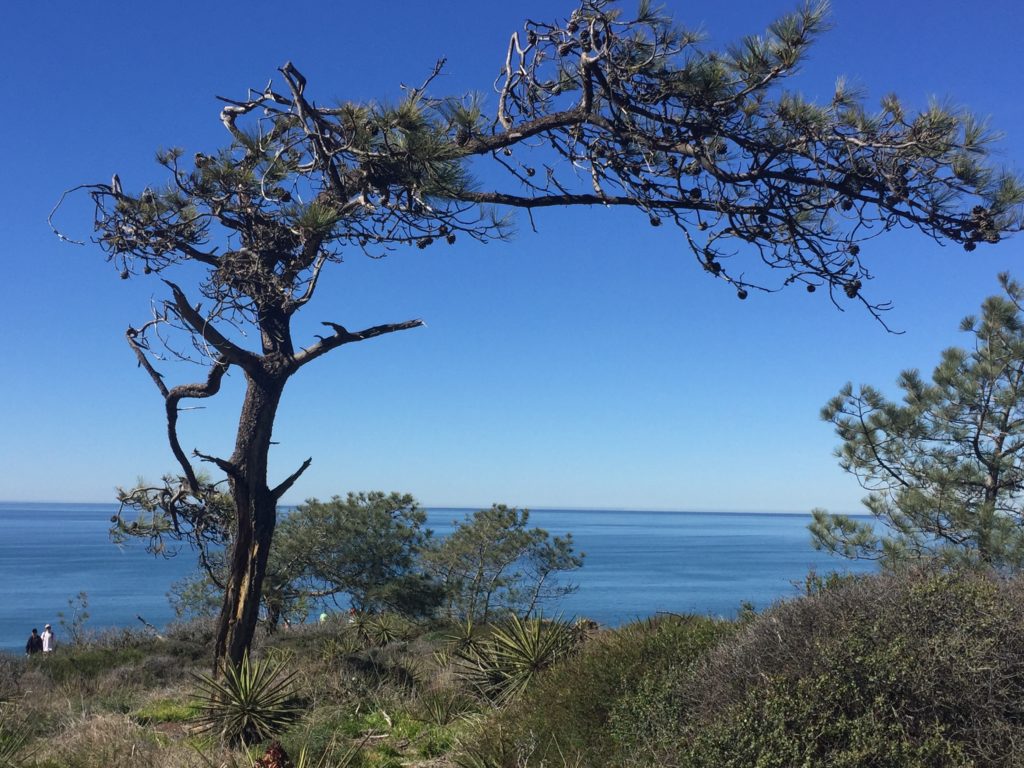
253	702
343	644
360	622
505	664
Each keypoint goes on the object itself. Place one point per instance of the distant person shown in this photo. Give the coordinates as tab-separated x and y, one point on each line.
34	644
49	639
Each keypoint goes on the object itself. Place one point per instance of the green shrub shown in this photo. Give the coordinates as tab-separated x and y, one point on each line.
166	711
13	740
85	662
586	708
887	671
191	640
505	664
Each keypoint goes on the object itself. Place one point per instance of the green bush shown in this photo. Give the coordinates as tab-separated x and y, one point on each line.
505	664
887	671
87	662
586	709
165	711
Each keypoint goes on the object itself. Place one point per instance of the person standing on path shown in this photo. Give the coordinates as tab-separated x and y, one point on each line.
34	644
49	639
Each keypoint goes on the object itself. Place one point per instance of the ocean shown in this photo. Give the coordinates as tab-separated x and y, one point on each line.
637	564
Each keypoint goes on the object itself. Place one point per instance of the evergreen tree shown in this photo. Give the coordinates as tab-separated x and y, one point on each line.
597	109
493	564
944	467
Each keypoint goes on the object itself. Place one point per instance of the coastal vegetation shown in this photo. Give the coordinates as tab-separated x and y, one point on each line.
370	551
943	468
910	669
598	109
447	658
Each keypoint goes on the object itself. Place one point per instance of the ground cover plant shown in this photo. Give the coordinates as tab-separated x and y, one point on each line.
908	669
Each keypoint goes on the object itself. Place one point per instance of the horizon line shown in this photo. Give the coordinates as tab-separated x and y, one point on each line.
531	508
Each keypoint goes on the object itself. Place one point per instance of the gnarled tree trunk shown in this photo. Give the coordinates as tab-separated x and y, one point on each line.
256	510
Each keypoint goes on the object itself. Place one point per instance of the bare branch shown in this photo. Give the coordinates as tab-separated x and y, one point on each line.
342	336
288	482
225	466
232	353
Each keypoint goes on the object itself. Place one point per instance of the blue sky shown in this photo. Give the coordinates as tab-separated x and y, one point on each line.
592	364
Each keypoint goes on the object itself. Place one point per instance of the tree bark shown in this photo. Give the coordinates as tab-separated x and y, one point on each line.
256	509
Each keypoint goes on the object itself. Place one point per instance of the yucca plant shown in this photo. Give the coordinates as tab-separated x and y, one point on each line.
253	702
504	665
360	623
12	744
441	707
344	644
443	656
385	629
465	634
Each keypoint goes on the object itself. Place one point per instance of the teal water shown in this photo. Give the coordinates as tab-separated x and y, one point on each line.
637	564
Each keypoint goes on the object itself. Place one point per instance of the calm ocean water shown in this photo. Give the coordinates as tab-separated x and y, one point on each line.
637	563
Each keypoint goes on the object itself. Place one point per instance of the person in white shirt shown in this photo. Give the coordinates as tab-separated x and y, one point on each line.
49	640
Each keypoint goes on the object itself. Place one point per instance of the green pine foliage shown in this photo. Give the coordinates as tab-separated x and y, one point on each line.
943	467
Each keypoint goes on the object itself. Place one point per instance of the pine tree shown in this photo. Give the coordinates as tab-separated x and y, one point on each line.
944	467
594	110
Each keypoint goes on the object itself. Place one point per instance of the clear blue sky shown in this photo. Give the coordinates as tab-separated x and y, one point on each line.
591	365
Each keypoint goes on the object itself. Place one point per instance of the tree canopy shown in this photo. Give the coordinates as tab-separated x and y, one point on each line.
944	467
493	564
367	546
597	109
364	549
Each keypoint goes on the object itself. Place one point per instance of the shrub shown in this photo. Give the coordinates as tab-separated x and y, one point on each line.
85	662
586	708
888	671
191	640
166	711
505	664
13	739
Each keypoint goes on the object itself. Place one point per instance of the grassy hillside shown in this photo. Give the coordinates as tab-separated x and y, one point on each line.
883	671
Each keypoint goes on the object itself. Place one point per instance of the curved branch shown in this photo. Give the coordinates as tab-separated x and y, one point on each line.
172	397
227	349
